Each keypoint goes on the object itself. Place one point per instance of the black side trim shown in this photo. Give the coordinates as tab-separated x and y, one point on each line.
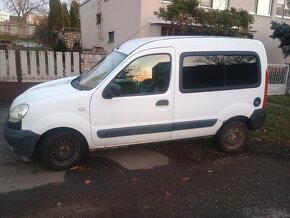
194	124
138	130
135	130
258	118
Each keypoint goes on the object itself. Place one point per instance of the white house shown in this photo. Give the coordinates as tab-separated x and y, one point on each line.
4	16
108	23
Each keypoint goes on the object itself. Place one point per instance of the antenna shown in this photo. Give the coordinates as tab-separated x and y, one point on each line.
118	46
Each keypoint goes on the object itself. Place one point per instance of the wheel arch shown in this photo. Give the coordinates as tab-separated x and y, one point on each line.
57	129
246	120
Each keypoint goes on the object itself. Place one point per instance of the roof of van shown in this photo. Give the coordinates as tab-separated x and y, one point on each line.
131	45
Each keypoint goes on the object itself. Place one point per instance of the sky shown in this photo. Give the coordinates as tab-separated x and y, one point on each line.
1	5
68	1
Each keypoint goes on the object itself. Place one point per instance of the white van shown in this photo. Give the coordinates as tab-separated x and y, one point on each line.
146	90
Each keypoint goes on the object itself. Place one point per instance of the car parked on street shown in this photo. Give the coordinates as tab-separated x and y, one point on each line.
146	90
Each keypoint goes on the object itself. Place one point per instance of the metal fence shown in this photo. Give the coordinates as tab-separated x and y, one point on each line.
278	78
38	66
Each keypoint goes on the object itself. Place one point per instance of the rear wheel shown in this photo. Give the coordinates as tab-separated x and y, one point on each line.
62	149
233	136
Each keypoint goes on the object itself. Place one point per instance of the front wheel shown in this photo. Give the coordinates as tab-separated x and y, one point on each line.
233	136
60	150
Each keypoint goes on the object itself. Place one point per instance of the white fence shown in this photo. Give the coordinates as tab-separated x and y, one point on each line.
278	78
33	66
39	66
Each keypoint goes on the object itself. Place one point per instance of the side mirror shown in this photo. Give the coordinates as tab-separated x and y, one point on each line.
112	90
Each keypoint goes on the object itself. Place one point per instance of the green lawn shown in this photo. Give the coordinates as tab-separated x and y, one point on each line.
280	99
277	125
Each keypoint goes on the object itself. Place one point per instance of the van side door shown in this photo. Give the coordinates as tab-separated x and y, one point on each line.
135	104
214	86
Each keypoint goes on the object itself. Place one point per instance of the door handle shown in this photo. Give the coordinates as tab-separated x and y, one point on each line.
162	102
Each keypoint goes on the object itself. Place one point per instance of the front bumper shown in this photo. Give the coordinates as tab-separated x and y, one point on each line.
22	142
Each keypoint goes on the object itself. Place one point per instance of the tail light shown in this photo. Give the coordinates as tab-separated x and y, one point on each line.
266	89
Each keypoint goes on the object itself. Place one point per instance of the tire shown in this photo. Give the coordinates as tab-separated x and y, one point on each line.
62	149
233	136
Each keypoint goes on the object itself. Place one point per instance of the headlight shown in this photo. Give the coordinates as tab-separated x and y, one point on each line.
18	112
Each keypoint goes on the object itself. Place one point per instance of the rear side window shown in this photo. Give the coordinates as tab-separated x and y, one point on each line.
219	72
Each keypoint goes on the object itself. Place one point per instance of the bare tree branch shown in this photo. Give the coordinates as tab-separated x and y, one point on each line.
22	8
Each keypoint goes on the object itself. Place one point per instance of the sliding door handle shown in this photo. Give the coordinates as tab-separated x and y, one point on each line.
162	102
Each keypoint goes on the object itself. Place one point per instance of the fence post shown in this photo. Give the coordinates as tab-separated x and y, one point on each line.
18	66
288	83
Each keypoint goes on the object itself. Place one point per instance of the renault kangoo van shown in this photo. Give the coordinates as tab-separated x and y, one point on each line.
146	90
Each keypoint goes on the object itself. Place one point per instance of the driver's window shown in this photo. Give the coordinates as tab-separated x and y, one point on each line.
145	75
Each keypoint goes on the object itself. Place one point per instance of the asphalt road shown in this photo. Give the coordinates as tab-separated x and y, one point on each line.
177	179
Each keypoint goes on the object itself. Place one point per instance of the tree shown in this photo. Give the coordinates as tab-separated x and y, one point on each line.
281	31
22	8
44	35
66	18
60	46
188	17
75	15
55	17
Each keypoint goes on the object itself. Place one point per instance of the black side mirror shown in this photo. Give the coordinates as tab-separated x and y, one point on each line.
112	90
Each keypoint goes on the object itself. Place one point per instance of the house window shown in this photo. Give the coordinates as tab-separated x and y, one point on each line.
264	7
99	18
283	8
166	1
220	4
205	3
249	5
111	37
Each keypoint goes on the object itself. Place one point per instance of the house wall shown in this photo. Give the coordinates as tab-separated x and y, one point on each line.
147	9
4	16
128	20
263	27
89	31
131	19
123	19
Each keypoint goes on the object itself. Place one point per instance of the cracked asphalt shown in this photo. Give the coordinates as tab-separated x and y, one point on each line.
174	179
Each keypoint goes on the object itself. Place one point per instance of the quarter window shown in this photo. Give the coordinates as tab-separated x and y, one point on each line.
219	72
145	75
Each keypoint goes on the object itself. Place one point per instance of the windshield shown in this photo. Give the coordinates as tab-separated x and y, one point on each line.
102	69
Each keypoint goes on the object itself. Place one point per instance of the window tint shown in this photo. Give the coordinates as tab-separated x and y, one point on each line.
241	70
217	72
146	75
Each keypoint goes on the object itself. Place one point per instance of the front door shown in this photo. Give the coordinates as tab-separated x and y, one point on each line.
144	111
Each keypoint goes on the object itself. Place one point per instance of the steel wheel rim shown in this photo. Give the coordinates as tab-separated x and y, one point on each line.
65	150
234	137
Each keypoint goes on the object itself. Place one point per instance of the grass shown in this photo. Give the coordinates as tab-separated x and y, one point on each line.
280	99
277	125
